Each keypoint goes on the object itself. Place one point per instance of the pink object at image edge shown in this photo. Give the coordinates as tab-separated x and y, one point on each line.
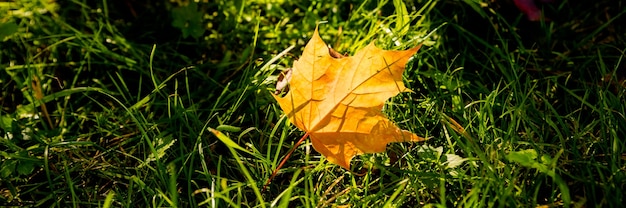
529	8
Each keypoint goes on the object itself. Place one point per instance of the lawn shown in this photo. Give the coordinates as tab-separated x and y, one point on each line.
169	104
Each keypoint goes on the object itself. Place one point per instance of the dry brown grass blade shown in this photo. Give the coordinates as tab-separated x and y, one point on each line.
454	125
36	85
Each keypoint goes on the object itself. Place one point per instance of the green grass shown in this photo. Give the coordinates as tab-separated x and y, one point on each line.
137	104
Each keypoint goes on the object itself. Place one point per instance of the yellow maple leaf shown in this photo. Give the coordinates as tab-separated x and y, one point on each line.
338	100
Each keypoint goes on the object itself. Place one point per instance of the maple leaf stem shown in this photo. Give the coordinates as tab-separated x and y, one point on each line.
282	162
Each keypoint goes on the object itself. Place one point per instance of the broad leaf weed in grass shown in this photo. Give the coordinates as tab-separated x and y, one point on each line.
130	103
